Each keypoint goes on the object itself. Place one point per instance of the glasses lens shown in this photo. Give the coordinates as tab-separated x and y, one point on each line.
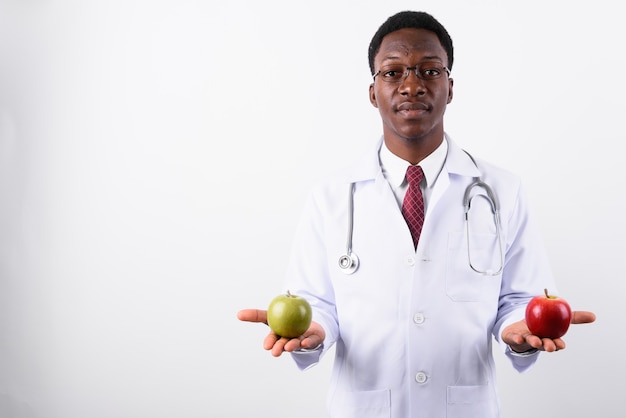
392	73
430	71
425	71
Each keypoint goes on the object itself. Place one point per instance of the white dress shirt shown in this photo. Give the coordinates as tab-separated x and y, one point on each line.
394	170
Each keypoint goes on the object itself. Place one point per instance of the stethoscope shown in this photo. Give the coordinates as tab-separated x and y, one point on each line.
349	262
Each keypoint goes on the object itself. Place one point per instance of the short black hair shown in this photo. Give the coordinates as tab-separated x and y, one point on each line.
415	20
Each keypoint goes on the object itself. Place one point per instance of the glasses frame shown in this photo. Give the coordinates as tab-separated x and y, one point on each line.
415	69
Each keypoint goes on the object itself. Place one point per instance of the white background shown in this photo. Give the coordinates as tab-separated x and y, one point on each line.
155	156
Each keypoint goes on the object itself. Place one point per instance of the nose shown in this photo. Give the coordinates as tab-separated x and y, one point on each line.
412	85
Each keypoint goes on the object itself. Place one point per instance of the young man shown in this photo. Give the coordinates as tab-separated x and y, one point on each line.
413	321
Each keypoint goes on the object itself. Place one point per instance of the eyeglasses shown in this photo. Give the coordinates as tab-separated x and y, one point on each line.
426	71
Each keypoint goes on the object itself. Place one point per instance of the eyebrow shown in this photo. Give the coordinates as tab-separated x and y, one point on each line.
426	58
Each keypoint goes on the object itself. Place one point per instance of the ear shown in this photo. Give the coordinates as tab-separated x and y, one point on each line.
450	89
373	96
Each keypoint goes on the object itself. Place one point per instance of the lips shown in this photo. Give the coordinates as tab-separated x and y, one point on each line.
413	106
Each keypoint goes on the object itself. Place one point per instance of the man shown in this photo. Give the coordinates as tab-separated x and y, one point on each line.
413	324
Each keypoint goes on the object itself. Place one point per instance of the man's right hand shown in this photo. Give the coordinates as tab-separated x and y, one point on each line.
312	338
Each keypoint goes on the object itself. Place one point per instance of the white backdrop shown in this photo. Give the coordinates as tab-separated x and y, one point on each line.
129	131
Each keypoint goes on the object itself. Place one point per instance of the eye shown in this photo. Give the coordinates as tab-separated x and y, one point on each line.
393	73
431	72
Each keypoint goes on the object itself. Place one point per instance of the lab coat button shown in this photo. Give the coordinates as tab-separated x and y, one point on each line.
410	260
420	377
419	318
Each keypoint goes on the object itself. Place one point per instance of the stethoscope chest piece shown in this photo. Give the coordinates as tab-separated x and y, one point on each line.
348	263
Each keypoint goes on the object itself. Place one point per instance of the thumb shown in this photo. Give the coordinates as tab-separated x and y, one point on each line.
582	317
252	315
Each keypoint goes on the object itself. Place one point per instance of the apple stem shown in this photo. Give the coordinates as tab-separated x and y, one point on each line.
289	293
546	292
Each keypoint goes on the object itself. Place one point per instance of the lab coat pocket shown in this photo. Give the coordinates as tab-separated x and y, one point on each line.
471	401
362	404
463	283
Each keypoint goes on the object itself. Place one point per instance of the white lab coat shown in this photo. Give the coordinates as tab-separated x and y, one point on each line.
413	328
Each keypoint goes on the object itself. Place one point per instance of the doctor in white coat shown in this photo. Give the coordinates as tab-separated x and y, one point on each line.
413	326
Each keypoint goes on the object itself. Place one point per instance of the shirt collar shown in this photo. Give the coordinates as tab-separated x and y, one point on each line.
394	167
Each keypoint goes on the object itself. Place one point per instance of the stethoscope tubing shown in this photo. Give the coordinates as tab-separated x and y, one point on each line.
349	262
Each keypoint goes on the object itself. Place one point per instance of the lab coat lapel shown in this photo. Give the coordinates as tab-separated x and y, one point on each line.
457	163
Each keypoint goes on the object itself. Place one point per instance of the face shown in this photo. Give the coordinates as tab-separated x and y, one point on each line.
411	109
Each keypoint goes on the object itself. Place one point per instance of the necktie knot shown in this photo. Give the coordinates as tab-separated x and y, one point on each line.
414	175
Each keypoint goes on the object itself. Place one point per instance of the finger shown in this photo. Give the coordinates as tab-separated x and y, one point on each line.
279	347
582	317
311	341
534	341
252	315
293	345
560	344
270	341
548	345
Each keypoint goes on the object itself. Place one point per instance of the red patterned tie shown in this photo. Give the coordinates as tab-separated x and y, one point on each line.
413	205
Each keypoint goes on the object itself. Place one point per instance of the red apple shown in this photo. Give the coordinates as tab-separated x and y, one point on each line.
548	316
289	315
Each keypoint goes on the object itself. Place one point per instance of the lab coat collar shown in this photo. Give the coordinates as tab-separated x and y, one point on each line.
368	167
458	161
394	167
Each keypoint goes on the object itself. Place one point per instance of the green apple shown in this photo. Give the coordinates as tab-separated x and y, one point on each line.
289	315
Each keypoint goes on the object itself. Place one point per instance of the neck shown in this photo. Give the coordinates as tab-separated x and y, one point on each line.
413	150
